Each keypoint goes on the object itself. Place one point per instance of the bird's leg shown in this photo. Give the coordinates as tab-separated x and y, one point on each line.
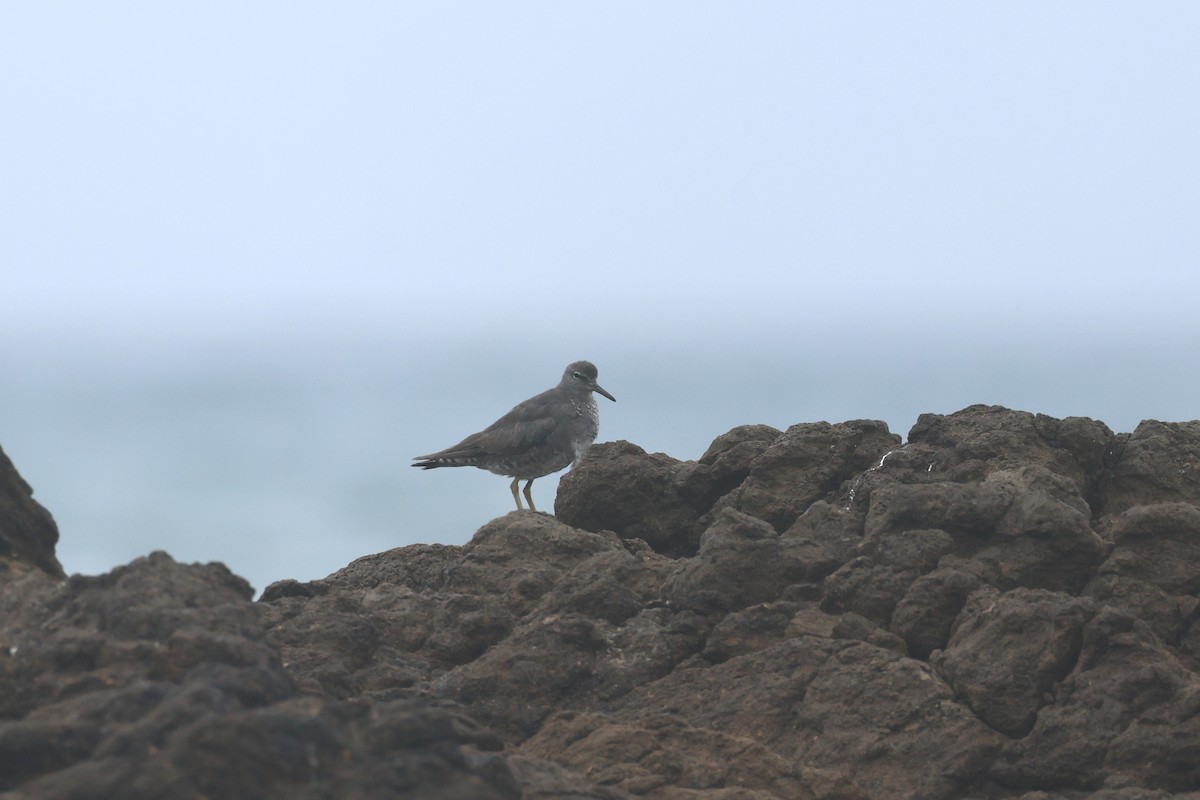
528	496
516	496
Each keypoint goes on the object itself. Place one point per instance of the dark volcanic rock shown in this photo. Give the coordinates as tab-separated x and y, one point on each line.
807	463
27	531
1158	463
754	469
1024	524
1124	714
742	561
1153	570
1008	650
621	488
158	680
725	464
971	444
1004	607
925	615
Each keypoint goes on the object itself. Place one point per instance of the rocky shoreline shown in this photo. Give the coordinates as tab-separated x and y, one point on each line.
1003	606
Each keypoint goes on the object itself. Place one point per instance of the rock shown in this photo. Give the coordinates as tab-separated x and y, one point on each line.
27	531
742	561
872	714
807	463
925	615
389	621
830	534
1158	543
1167	615
1025	524
752	629
853	716
157	681
1153	568
1159	462
725	464
1124	714
971	444
1008	650
1003	607
753	469
628	755
872	584
621	488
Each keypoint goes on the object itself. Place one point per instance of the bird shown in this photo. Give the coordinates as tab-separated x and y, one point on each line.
544	434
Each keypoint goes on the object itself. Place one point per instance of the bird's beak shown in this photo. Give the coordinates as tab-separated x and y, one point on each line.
597	388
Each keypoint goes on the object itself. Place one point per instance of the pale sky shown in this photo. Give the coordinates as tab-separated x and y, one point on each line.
865	209
241	166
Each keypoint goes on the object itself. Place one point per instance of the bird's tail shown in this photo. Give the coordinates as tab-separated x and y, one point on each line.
425	462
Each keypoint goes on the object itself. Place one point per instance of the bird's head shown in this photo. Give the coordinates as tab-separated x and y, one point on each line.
581	376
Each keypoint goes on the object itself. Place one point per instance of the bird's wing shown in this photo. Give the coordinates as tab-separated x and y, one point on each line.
516	438
524	427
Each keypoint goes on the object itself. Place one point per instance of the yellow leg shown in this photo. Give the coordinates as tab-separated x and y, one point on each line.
528	496
516	496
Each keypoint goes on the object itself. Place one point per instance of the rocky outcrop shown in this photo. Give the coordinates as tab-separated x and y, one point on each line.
27	531
1002	607
159	680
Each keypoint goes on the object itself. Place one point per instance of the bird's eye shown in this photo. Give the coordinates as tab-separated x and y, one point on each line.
577	375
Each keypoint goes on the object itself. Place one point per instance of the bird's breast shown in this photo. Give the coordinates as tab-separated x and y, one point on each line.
588	425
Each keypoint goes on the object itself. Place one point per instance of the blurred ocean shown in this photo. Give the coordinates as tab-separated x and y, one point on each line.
292	463
276	472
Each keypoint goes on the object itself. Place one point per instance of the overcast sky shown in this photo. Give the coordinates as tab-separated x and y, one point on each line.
508	168
885	208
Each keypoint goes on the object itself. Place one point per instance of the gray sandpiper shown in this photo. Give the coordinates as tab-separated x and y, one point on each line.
539	436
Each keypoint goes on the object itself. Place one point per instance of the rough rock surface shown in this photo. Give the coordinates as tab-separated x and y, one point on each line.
1004	606
27	531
